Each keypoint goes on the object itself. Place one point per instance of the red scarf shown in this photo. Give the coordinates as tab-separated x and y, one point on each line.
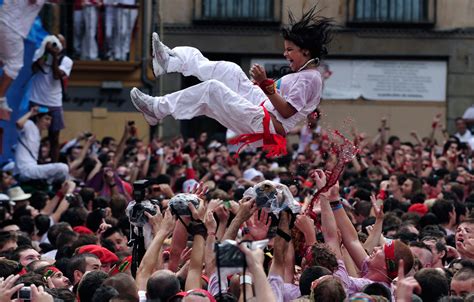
273	144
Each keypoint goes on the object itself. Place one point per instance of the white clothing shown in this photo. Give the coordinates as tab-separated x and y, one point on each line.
11	51
26	158
302	90
469	113
126	18
465	137
142	296
89	46
19	15
45	89
49	255
226	94
78	30
110	27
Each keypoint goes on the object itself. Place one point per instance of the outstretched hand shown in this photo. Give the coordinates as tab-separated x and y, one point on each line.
258	226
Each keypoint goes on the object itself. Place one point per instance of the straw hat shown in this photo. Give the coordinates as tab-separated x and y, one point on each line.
17	194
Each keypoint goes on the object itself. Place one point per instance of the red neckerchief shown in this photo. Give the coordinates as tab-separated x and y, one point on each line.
273	144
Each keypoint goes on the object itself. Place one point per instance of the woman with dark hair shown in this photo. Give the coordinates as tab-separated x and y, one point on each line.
263	113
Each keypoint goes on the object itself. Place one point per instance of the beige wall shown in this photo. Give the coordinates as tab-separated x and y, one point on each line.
102	123
455	14
402	117
450	13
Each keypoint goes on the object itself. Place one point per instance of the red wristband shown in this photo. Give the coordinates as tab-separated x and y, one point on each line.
268	86
60	195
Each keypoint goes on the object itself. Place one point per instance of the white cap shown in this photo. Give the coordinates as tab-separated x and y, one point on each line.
251	173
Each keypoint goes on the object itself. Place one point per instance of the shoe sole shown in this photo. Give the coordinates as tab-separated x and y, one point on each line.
157	68
150	120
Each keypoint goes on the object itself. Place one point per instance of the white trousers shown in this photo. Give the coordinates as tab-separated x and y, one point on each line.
78	31
49	172
89	43
126	18
110	28
11	51
226	94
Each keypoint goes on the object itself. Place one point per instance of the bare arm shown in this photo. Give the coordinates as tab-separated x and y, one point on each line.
280	247
20	123
349	235
150	259
246	210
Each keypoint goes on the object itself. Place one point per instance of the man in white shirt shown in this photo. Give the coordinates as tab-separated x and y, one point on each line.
50	72
16	18
462	133
26	154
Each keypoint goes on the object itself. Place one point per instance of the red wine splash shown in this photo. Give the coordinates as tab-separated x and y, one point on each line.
344	151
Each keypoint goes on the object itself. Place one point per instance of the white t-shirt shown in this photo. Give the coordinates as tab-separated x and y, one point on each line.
465	137
30	137
303	91
19	15
45	90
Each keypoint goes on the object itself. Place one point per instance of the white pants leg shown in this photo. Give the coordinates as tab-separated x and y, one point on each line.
78	31
89	43
49	172
190	61
110	28
215	100
129	18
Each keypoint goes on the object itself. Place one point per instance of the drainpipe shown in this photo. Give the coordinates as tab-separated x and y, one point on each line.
147	23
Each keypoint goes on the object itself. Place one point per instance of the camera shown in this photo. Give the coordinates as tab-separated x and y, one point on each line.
137	208
179	204
87	134
24	293
228	253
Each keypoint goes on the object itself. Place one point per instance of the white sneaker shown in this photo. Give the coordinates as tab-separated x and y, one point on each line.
161	55
4	104
144	103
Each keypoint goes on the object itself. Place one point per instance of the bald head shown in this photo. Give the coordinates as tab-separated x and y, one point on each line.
162	285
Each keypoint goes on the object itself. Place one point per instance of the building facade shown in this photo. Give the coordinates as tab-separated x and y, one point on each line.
405	60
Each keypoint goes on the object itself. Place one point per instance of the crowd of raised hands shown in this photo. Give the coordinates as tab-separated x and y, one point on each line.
396	226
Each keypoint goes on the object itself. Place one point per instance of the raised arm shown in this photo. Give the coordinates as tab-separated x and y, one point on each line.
348	232
20	123
150	259
246	210
328	222
375	234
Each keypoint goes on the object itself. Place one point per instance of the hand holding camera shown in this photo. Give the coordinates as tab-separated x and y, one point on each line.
8	287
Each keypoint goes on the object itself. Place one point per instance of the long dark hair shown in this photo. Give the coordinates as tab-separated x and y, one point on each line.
312	32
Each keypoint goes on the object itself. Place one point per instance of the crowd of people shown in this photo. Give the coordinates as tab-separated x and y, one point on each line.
106	220
397	227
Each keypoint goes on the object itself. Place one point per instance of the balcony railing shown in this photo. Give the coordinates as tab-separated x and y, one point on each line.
237	11
391	12
113	30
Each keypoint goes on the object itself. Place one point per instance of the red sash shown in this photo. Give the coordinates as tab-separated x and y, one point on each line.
273	144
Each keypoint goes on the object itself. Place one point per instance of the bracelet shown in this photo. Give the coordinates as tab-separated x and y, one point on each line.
211	234
268	86
335	203
60	195
339	206
245	279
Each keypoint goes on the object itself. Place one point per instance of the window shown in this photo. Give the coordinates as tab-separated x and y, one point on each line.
237	10
392	11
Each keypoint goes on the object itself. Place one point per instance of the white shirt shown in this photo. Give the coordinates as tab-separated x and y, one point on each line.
19	15
303	91
30	137
465	137
45	90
